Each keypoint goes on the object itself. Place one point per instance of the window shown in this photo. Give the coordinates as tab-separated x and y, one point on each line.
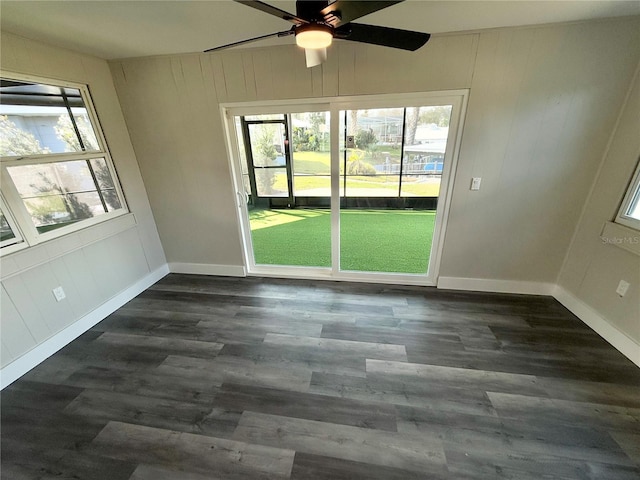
9	234
57	176
629	213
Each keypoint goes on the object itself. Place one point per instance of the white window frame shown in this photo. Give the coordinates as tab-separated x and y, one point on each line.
16	242
13	206
632	194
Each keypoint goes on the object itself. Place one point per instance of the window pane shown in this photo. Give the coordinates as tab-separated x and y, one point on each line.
52	211
372	156
31	130
372	185
87	133
634	206
312	185
112	200
420	185
6	233
271	182
102	173
267	144
44	179
34	119
425	142
58	194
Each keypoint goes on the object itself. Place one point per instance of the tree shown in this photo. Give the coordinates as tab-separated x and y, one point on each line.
317	119
437	115
305	140
14	141
107	188
365	138
54	200
356	166
413	115
265	154
353	122
65	132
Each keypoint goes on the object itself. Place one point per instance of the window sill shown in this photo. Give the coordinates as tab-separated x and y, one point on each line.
622	237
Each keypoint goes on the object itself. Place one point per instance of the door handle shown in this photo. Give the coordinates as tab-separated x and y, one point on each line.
243	197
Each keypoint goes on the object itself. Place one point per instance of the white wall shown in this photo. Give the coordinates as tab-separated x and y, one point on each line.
543	102
593	268
94	266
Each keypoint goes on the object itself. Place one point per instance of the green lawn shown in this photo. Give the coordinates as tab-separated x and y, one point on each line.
312	178
396	241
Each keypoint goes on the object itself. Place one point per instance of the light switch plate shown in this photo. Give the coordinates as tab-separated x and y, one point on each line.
475	183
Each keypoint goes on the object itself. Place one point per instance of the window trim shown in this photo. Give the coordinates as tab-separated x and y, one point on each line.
632	193
13	205
17	242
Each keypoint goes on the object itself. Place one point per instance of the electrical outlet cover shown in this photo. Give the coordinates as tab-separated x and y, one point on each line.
58	292
622	288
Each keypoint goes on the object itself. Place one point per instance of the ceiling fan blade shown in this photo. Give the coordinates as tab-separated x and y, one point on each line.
315	56
265	7
286	33
384	36
345	11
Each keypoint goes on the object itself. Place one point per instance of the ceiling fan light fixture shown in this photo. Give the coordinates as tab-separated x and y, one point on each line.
314	35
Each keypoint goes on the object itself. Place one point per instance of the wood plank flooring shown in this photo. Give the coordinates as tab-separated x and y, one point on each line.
246	378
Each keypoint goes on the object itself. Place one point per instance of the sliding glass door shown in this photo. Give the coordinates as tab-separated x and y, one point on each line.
348	190
393	159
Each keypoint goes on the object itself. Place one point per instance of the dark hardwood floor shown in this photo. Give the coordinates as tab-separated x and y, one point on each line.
227	378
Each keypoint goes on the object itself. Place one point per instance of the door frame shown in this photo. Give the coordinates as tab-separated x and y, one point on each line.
457	98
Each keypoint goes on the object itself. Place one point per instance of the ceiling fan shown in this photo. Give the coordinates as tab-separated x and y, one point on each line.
317	23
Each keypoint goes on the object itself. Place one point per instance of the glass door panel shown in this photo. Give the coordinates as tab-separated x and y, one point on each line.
424	149
269	158
392	159
289	176
311	155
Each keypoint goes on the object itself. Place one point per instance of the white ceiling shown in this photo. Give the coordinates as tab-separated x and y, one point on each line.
120	29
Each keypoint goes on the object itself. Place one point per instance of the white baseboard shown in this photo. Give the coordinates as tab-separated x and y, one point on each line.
11	372
620	340
495	286
208	269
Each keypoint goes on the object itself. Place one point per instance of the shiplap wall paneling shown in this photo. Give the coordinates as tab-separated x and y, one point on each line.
39	283
446	64
540	110
234	76
116	262
74	274
593	269
347	59
292	79
20	296
330	76
263	71
16	335
6	356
